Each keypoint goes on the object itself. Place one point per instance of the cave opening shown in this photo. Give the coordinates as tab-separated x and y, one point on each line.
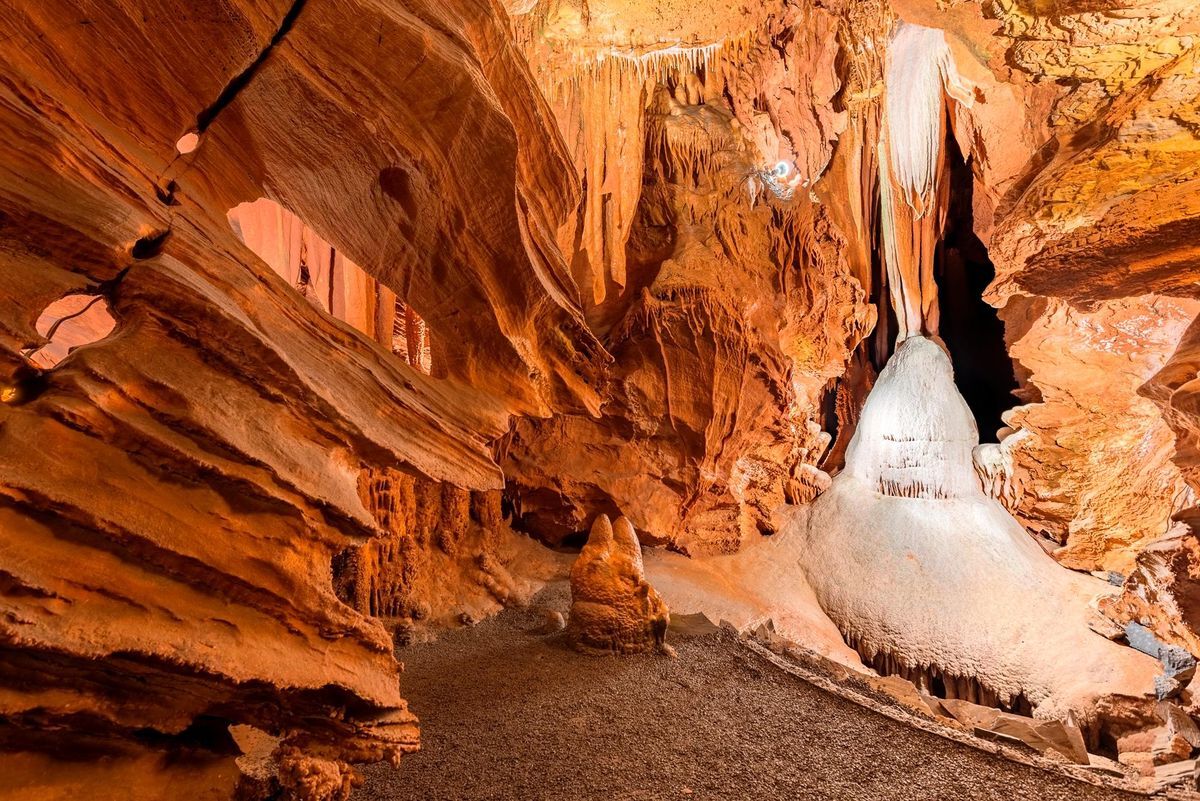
331	282
71	322
970	327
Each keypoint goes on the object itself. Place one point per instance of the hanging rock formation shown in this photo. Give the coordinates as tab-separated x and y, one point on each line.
914	188
738	311
613	607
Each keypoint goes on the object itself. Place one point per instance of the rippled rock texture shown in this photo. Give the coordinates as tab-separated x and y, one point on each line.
175	492
314	314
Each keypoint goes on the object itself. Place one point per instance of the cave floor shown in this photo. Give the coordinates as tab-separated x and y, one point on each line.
506	714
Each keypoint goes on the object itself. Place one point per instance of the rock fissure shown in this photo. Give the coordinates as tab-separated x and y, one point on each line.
208	115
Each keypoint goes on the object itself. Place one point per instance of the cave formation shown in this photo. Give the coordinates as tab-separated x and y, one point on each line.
497	399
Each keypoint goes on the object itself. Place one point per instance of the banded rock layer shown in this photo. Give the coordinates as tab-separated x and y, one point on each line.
175	492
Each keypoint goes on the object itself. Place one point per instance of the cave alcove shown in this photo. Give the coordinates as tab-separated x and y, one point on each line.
972	329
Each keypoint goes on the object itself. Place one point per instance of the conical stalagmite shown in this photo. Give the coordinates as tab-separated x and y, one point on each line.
910	559
613	607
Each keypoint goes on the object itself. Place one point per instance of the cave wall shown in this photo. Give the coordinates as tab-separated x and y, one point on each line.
175	493
734	307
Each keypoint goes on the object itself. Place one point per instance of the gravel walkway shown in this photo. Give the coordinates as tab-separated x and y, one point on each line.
506	714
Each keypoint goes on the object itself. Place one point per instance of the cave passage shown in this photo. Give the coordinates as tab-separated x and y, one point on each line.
971	329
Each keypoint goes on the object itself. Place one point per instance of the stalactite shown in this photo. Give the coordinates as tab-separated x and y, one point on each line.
934	680
681	148
601	102
914	190
602	112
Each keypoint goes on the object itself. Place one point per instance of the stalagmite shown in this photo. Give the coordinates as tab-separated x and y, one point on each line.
910	558
613	607
327	328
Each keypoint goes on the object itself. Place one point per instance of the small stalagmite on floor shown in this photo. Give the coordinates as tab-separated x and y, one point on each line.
613	608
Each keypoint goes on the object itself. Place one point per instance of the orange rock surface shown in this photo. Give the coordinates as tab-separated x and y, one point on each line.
613	607
319	319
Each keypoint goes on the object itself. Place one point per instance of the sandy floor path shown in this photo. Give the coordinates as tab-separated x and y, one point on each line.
506	714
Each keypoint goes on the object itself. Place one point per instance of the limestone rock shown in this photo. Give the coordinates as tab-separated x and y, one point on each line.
1179	723
1168	747
552	622
968	585
613	607
1184	774
1163	592
178	485
711	420
1104	626
748	587
1140	761
1041	735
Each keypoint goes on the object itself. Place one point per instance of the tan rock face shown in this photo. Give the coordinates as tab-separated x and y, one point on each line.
177	487
1096	465
1163	591
738	310
613	607
445	555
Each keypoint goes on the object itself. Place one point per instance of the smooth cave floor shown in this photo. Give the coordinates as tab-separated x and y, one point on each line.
506	714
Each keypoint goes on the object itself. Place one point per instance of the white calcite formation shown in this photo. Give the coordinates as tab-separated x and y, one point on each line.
925	573
920	75
920	80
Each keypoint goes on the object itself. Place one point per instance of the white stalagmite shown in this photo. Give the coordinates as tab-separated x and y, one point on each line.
910	442
912	560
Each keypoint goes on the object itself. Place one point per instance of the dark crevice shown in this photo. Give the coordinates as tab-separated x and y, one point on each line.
27	384
206	117
972	329
150	246
166	194
829	415
886	325
396	183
